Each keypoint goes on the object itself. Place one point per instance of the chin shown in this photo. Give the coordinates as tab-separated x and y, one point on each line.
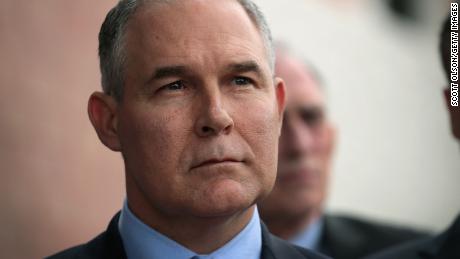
225	198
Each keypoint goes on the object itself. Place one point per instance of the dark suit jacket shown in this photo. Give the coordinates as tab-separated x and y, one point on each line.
444	246
351	238
108	245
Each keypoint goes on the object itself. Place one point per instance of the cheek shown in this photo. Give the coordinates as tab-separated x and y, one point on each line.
153	141
259	125
323	148
153	145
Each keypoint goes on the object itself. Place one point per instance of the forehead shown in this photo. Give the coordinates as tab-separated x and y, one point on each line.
301	87
202	31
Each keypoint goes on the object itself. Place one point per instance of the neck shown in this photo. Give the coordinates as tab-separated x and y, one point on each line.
287	227
202	235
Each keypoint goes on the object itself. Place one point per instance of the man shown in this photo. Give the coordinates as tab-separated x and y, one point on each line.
447	244
294	209
191	103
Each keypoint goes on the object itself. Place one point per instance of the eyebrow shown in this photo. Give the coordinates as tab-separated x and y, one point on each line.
246	66
180	70
169	71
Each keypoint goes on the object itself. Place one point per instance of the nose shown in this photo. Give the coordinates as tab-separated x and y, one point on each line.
213	118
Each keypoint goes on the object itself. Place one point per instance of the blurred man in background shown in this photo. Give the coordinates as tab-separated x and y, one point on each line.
447	244
295	208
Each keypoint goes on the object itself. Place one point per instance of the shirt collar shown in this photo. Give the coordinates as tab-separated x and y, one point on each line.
310	236
143	242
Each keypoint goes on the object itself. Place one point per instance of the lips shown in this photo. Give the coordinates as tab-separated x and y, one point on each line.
216	161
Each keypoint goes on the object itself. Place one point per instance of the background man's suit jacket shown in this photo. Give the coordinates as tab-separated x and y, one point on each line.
109	245
444	246
351	238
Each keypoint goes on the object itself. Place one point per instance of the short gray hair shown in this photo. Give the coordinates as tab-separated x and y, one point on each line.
111	41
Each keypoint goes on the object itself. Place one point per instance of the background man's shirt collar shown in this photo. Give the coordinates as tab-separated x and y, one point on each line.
310	236
143	242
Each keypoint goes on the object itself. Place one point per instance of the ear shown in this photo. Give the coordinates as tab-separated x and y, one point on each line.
280	91
102	111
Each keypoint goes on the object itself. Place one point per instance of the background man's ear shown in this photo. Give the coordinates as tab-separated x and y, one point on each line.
102	111
280	91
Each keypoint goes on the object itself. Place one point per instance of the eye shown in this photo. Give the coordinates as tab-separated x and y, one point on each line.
242	81
174	86
311	116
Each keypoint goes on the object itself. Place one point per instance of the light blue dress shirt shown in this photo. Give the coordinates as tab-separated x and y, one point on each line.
310	237
142	242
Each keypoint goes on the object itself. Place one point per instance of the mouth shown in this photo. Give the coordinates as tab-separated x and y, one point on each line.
212	162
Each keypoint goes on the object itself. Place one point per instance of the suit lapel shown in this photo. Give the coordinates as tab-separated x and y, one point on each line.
275	248
112	240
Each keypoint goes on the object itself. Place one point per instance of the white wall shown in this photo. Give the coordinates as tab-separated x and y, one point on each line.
396	159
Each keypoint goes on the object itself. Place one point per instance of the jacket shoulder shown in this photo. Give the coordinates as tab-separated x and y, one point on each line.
71	253
409	250
353	237
92	249
444	245
106	245
376	230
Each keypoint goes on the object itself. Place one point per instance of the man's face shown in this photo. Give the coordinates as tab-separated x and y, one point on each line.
305	146
200	117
